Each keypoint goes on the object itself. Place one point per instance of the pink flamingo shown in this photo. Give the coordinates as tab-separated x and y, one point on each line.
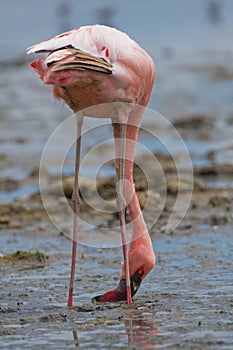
89	66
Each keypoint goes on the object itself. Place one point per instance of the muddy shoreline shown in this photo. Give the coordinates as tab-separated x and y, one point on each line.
185	302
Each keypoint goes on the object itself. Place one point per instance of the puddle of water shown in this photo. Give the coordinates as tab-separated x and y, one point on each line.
221	184
21	192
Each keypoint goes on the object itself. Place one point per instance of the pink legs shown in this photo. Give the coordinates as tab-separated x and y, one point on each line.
76	207
121	204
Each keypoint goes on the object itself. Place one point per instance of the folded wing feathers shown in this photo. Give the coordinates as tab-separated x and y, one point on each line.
84	61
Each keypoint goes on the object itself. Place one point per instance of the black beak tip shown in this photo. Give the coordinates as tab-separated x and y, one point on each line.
97	298
136	281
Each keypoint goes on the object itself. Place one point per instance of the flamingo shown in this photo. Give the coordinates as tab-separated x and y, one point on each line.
94	65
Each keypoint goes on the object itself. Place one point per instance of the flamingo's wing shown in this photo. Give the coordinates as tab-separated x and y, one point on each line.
73	50
63	54
53	44
77	59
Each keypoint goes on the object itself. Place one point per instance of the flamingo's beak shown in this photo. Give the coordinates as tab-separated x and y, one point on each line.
119	293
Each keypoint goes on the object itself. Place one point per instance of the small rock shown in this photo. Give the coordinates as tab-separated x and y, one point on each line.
35	172
174	185
217	201
23	321
230	120
85	308
4	219
194	122
218	219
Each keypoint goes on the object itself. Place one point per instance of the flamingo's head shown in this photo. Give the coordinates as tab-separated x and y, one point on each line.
119	293
141	261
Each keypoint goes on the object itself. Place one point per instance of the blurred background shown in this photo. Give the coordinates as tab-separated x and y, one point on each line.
190	42
179	25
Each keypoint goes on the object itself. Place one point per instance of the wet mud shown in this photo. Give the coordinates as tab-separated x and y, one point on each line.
186	301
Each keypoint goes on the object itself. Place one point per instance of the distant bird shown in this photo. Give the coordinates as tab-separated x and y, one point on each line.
89	66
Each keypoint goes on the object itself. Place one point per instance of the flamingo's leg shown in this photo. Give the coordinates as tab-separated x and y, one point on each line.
121	203
125	136
76	207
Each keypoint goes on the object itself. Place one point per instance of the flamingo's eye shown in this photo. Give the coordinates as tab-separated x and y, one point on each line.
140	272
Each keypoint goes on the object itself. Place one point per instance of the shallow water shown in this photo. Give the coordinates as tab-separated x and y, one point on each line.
185	302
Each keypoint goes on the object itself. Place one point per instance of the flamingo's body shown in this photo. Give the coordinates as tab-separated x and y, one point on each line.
89	66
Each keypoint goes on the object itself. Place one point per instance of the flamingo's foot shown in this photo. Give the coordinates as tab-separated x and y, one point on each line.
119	293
